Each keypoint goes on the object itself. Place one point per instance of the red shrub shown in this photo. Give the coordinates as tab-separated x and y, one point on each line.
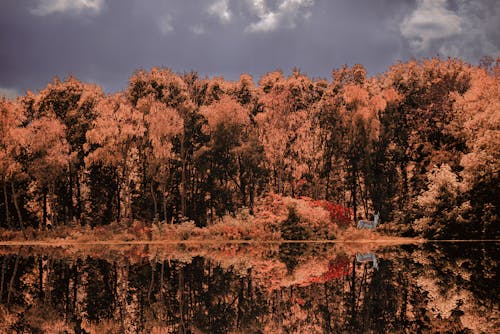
339	214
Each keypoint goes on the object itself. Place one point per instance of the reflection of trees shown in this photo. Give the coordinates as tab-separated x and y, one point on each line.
406	294
290	254
383	305
99	283
461	279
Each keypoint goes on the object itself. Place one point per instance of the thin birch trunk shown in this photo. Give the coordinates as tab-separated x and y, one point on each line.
18	210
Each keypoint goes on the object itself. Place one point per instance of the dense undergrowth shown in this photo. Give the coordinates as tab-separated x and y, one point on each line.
276	218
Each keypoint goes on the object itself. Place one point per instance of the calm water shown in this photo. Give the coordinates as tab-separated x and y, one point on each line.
273	288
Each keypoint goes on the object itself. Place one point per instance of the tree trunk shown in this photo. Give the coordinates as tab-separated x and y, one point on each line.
2	278
40	278
353	296
75	286
152	281
52	206
71	208
18	210
6	201
162	298
78	199
354	195
180	296
406	189
12	278
126	194
252	199
118	199
164	200
155	203
44	219
183	175
241	301
243	183
364	197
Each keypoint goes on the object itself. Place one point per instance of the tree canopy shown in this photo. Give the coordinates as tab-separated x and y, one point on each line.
419	143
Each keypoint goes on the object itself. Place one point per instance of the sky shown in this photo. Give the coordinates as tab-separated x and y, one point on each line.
105	41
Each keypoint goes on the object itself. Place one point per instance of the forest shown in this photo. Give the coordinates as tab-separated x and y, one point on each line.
418	143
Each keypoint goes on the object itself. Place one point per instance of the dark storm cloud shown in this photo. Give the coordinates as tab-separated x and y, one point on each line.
104	41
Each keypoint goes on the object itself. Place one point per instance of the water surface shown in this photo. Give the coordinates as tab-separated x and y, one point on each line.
247	288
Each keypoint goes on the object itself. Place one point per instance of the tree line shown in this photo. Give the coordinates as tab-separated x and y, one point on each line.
419	143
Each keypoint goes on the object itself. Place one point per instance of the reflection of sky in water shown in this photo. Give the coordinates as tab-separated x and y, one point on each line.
277	288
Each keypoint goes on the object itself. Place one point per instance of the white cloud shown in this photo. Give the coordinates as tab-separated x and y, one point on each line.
258	7
269	21
220	9
294	5
197	29
9	93
46	7
166	24
430	21
470	31
286	14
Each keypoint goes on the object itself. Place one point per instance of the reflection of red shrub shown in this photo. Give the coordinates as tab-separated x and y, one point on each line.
337	268
339	214
297	300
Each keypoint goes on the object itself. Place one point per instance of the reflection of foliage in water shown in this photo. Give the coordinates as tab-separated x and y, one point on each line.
337	268
290	254
99	285
472	267
425	288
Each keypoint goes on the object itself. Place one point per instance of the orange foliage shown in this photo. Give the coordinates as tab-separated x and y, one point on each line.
175	144
227	112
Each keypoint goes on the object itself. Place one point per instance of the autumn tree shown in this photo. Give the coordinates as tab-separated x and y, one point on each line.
420	129
331	134
46	156
234	154
245	91
168	88
10	169
441	205
356	114
286	128
113	141
162	124
478	120
356	104
72	103
175	146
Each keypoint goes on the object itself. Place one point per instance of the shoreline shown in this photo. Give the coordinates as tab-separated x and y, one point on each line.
385	241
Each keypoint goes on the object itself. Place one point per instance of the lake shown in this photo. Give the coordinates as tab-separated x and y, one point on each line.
447	287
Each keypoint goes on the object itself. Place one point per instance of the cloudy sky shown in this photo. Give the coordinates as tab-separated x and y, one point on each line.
104	41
